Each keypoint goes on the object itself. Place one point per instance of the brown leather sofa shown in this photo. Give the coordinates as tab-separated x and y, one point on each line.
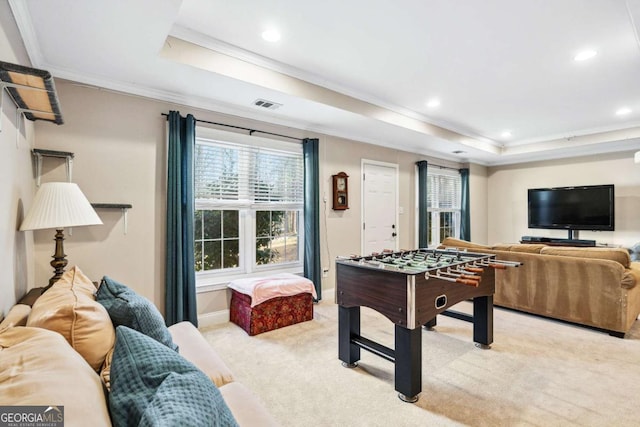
597	287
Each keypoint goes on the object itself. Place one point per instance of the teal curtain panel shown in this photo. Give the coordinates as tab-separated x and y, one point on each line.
423	216
465	215
312	268
180	279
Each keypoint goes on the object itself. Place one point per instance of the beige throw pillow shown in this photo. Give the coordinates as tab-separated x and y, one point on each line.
69	308
38	367
17	316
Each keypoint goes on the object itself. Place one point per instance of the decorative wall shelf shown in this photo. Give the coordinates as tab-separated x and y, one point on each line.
40	153
122	206
32	91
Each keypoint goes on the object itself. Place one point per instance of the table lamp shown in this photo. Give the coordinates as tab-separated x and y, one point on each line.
58	205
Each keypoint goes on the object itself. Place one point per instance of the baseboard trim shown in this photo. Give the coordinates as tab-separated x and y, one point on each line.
329	294
213	318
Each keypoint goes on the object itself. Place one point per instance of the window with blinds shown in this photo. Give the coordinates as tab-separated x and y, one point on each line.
444	189
245	176
248	201
444	199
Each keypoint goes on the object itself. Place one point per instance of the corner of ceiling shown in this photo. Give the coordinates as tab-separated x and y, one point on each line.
21	14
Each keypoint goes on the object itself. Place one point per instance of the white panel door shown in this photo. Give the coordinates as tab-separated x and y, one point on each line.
379	206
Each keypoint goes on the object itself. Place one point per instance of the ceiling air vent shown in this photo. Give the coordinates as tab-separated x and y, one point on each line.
269	105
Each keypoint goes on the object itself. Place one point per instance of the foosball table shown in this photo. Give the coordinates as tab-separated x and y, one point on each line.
411	288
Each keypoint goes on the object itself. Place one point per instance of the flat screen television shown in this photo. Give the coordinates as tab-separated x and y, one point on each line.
588	207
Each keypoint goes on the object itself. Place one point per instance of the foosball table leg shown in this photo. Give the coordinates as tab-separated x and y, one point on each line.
431	324
408	363
348	327
483	321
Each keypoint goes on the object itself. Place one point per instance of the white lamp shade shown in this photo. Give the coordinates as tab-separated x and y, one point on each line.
636	158
59	205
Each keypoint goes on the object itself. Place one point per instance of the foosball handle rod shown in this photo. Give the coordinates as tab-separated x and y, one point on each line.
468	282
498	266
468	277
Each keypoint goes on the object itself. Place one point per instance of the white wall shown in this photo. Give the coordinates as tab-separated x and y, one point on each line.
16	184
478	186
507	195
341	230
119	143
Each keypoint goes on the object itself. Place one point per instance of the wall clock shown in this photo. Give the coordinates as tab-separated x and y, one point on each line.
340	191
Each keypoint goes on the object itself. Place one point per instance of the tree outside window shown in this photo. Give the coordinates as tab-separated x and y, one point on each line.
248	207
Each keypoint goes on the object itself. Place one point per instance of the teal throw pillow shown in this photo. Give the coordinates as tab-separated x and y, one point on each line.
127	308
152	385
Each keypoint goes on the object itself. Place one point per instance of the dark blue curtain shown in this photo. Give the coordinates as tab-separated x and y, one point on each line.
312	269
180	279
465	216
423	215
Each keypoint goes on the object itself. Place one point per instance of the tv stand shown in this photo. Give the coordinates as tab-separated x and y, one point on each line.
557	242
572	242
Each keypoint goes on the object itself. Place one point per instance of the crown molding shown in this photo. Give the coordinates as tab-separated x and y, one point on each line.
22	17
236	52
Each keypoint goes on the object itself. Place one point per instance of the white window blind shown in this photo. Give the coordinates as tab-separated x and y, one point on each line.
444	189
247	176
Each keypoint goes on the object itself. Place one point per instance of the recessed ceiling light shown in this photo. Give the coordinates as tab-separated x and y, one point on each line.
433	103
271	35
506	134
623	111
585	54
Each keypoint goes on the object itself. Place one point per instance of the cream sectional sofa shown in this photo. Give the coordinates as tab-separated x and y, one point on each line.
597	287
48	356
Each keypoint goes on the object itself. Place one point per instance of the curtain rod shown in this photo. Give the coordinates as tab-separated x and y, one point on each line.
445	167
251	131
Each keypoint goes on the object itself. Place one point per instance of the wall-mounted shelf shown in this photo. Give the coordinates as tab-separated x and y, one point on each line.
32	91
122	206
40	153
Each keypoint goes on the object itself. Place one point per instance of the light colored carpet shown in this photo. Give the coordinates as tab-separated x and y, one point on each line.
539	372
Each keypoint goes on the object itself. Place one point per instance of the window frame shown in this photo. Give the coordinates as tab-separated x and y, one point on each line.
433	233
209	280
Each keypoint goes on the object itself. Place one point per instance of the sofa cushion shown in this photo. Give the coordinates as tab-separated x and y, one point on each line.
17	316
502	247
195	348
153	385
245	406
533	248
39	367
129	309
458	243
69	308
619	255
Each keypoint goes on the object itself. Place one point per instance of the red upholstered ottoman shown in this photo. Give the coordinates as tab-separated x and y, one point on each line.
272	314
267	303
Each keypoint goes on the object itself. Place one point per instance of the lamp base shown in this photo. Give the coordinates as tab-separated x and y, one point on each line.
59	259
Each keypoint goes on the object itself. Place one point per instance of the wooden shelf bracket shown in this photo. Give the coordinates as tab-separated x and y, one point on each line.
124	207
40	153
